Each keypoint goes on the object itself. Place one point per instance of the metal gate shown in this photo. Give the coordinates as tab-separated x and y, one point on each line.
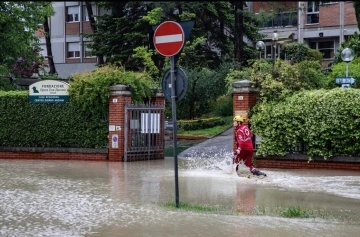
144	132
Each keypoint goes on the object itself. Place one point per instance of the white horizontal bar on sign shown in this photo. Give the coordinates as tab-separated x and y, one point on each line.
168	39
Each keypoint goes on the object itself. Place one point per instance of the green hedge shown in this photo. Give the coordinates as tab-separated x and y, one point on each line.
327	122
24	124
196	124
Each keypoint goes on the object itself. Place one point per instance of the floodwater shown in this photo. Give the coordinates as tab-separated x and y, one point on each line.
81	198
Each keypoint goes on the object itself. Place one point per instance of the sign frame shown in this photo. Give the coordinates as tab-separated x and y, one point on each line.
169	38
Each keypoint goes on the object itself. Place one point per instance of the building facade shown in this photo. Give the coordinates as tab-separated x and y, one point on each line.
69	49
321	26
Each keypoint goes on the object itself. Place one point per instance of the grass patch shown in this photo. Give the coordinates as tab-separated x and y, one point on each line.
287	212
209	132
195	207
297	212
292	212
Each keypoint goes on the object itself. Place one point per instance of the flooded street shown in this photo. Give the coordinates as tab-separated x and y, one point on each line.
70	198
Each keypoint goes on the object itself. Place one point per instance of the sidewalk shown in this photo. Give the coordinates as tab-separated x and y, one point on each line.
211	146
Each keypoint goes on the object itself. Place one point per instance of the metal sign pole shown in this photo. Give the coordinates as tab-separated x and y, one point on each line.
173	104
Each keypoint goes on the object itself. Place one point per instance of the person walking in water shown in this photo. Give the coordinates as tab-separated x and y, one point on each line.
245	150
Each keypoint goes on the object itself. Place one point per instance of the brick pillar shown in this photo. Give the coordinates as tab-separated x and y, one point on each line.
244	98
119	95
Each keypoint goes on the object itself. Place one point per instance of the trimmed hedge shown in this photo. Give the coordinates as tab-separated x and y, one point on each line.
24	124
189	125
326	122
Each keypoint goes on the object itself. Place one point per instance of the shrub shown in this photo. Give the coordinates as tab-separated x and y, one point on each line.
339	70
92	89
197	124
8	86
25	124
283	80
222	106
297	52
326	121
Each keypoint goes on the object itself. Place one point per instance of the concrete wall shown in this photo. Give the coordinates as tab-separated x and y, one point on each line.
67	69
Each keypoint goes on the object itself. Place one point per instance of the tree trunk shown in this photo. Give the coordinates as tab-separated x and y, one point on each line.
238	32
48	46
357	12
93	27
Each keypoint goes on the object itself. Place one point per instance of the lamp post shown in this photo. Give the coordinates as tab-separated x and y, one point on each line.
260	45
275	38
347	55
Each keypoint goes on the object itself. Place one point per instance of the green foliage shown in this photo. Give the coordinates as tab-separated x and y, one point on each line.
19	21
24	124
129	25
353	43
297	212
8	86
222	106
91	90
145	55
327	122
297	52
197	124
282	81
339	70
357	12
204	85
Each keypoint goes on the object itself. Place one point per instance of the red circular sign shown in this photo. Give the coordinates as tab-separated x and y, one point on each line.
169	38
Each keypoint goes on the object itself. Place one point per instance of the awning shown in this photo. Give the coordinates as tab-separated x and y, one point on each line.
282	36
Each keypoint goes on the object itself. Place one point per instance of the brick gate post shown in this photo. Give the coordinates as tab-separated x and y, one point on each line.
244	98
119	95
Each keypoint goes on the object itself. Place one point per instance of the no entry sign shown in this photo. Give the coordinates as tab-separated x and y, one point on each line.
169	38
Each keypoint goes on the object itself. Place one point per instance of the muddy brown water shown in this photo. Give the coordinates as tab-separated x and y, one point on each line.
71	198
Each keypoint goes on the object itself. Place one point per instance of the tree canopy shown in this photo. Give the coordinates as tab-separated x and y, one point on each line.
128	26
19	46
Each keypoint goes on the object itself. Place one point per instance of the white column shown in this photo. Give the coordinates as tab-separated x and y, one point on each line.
342	13
301	7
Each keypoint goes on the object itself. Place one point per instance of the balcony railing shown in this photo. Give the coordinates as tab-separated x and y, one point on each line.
284	19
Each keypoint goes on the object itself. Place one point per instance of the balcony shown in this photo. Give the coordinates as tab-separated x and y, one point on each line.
283	19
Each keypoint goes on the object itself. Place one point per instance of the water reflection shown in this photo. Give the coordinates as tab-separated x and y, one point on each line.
69	198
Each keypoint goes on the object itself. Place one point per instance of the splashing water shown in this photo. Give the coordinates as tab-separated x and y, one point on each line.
213	160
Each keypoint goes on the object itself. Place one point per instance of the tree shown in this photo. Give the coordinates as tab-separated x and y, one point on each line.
357	12
19	48
129	26
93	27
239	27
48	38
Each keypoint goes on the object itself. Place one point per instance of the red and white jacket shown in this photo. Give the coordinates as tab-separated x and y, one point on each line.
243	137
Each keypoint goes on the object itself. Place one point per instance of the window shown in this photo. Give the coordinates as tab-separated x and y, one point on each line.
72	14
87	51
312	14
73	50
268	51
325	47
85	16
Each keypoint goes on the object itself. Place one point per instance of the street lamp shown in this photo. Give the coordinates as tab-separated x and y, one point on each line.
260	45
275	38
347	55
